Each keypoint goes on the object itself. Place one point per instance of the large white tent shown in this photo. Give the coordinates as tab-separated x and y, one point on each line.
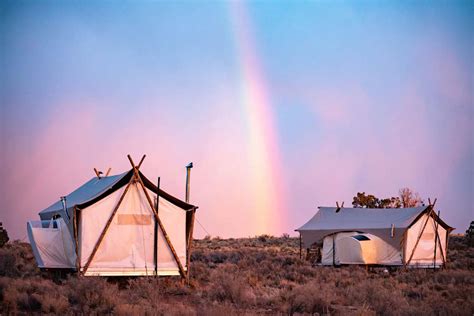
115	225
414	237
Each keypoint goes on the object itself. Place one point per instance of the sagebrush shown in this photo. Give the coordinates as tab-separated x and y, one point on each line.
261	275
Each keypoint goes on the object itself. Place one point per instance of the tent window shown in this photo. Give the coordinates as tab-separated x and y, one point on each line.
361	237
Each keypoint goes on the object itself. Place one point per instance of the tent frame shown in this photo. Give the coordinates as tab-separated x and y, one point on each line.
430	214
137	178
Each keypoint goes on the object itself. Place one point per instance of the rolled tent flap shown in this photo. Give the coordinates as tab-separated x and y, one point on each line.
52	244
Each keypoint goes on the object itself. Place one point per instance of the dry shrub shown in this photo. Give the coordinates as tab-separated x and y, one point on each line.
144	290
383	296
309	298
246	276
227	285
8	264
92	295
33	295
17	260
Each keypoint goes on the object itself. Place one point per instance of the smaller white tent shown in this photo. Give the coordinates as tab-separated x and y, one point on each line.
115	225
400	236
358	248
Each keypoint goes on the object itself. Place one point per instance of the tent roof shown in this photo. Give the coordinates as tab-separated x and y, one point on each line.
362	218
96	189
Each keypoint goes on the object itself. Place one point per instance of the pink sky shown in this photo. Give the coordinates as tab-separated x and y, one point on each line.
279	115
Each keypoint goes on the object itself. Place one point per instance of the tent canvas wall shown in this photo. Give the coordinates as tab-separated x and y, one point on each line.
402	236
117	225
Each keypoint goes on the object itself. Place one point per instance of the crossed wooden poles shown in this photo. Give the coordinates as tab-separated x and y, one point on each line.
431	214
136	178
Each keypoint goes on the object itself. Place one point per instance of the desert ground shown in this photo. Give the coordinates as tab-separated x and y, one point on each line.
246	276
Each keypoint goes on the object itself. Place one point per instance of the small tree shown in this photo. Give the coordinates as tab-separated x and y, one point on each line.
371	201
409	198
470	234
3	236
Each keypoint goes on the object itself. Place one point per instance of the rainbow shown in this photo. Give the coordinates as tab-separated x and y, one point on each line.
267	185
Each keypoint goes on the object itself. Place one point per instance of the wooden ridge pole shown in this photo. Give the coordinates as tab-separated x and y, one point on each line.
170	245
104	231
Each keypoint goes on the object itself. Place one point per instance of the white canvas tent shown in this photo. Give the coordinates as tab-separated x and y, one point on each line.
116	225
399	236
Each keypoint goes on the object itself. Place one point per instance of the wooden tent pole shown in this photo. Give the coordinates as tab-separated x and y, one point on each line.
403	244
190	242
446	247
333	250
301	254
75	228
436	242
170	245
419	236
97	173
441	249
141	161
104	231
156	227
438	239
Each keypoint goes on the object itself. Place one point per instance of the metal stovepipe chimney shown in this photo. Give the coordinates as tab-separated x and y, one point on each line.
188	180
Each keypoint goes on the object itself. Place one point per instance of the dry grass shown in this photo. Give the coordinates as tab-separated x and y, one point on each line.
261	275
